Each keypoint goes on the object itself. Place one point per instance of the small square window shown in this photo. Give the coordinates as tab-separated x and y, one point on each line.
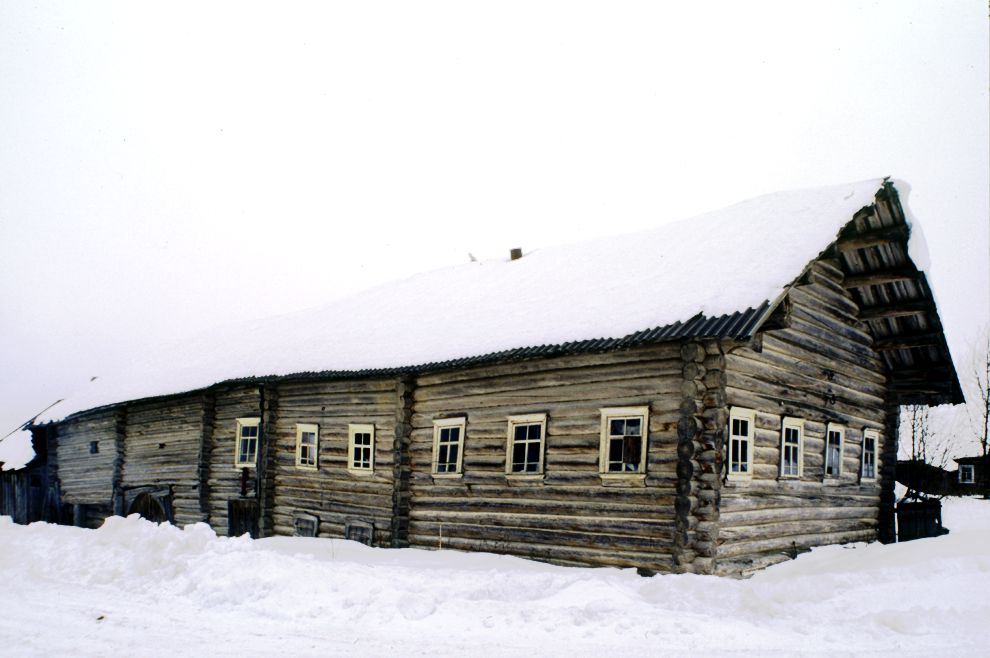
524	454
966	474
448	442
361	448
624	440
247	442
307	446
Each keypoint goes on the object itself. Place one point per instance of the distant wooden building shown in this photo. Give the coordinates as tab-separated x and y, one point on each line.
971	477
714	442
32	493
973	474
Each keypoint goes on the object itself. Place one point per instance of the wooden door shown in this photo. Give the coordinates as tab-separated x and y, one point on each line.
242	517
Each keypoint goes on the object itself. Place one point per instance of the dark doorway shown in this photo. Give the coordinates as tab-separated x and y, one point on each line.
149	507
242	517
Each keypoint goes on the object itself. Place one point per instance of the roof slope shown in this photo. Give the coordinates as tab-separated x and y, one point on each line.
736	260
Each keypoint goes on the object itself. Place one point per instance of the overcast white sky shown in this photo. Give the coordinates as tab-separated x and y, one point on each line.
165	168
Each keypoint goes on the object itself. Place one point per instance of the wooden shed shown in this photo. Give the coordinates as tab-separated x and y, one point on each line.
711	397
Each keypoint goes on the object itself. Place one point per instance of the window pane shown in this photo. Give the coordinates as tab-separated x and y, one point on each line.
831	464
632	452
519	433
634	426
615	450
534	432
617	427
533	454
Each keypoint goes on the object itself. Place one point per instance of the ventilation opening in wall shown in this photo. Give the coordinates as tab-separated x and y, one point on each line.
360	531
94	447
306	525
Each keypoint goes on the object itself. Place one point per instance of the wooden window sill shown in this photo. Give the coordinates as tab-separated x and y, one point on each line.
623	479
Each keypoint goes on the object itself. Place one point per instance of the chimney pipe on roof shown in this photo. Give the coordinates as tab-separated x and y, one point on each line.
515	254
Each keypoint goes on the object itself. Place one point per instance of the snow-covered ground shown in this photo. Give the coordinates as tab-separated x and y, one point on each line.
133	588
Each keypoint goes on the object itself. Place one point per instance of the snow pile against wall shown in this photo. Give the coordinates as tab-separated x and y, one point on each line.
135	588
715	264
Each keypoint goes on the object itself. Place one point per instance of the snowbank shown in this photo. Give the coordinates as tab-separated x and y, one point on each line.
714	264
135	588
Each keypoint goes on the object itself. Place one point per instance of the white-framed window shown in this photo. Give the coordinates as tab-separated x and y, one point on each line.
792	448
871	438
742	425
834	438
966	474
307	446
524	448
625	433
448	445
361	448
246	450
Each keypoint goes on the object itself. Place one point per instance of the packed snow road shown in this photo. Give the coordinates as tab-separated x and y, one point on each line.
133	588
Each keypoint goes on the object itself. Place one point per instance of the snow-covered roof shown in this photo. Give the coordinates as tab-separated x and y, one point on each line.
713	264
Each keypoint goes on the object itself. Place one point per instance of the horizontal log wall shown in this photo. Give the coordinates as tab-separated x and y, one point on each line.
223	479
87	478
821	369
572	515
161	448
332	493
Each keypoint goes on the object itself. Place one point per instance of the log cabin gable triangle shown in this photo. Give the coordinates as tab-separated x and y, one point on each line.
894	301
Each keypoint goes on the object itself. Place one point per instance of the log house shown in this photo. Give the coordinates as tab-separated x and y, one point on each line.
713	444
